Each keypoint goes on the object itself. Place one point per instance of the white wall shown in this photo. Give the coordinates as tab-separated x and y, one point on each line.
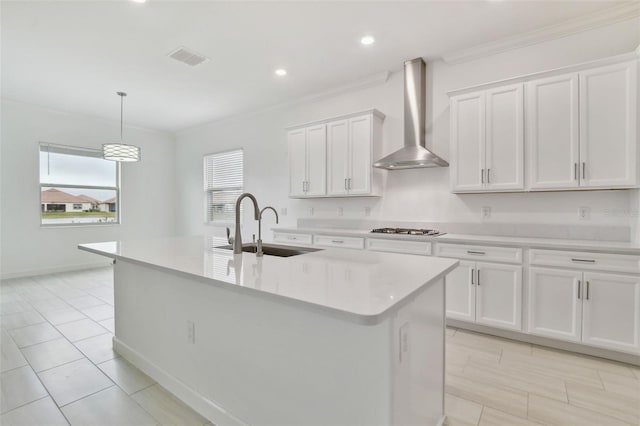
147	189
413	195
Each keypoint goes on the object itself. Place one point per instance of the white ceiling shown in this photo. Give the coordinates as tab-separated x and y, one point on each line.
74	55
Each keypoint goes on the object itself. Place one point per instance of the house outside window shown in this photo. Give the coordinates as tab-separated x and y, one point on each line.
223	184
77	186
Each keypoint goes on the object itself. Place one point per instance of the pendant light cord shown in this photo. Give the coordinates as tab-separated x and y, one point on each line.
121	114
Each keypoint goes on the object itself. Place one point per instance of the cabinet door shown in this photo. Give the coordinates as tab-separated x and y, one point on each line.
460	293
499	295
316	160
297	162
608	117
505	138
468	142
555	303
611	311
552	132
360	155
337	157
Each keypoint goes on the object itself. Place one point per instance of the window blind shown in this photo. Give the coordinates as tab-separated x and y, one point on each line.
223	184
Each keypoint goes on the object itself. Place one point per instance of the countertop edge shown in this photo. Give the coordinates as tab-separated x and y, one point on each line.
598	246
358	318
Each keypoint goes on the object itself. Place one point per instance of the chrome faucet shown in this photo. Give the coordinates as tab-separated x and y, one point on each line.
259	248
237	241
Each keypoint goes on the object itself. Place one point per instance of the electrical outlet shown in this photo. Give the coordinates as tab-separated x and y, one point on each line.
486	212
404	343
584	213
367	211
283	211
191	332
340	211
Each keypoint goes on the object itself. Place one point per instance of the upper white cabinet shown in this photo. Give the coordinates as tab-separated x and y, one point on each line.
608	116
307	159
552	132
582	129
578	127
487	140
345	169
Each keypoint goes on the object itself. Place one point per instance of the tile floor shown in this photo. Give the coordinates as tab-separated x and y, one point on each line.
57	367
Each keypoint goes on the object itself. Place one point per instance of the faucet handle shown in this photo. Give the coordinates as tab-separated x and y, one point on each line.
229	238
254	238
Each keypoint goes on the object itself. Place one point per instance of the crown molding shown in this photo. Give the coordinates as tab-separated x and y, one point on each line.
597	19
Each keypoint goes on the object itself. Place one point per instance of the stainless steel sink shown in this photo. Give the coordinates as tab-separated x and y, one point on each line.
273	249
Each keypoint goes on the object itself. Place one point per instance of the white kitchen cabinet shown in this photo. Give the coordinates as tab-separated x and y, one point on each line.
552	132
467	142
597	309
488	140
582	129
461	292
499	295
611	311
486	293
555	303
338	157
608	117
307	161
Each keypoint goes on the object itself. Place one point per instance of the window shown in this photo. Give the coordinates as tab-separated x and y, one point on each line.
223	184
77	186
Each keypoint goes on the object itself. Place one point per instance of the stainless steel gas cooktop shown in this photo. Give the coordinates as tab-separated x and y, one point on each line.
408	231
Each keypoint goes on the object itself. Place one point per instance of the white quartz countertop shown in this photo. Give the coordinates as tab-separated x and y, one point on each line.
548	243
361	286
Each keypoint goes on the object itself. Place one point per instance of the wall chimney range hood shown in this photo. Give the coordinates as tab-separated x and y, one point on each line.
414	154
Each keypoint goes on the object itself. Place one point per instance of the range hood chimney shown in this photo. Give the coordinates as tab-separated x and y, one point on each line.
414	154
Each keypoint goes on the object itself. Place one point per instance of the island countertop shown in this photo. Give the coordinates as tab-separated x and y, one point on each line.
361	286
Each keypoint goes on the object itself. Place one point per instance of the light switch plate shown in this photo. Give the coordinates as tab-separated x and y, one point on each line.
486	212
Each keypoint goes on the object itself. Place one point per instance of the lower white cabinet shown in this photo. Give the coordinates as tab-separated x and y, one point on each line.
555	303
486	293
611	311
598	309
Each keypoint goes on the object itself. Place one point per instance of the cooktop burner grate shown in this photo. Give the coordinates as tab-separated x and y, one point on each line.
407	231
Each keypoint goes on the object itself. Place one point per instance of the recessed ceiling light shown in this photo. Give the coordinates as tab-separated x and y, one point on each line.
281	72
367	40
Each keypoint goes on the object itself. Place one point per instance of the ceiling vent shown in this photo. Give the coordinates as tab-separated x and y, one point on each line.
187	56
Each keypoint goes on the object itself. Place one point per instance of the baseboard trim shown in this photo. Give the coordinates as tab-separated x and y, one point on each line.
544	341
54	270
205	407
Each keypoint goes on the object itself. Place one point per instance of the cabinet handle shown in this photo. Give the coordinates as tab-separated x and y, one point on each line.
584	168
475	252
478	277
337	241
481	175
575	171
587	290
583	260
349	185
473	272
291	238
345	184
579	285
488	175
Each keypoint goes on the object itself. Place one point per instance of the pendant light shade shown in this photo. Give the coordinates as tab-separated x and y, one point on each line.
120	151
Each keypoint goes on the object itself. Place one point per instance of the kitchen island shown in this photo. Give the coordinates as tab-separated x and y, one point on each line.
331	337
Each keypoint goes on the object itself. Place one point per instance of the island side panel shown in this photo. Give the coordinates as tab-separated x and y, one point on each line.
418	352
255	360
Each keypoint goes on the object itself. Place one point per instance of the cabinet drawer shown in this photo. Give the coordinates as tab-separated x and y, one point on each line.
335	241
488	253
290	238
584	260
395	246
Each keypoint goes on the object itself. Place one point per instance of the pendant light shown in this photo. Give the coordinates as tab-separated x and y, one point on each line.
120	151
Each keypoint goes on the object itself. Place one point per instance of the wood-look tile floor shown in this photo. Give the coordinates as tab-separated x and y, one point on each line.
57	367
495	381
